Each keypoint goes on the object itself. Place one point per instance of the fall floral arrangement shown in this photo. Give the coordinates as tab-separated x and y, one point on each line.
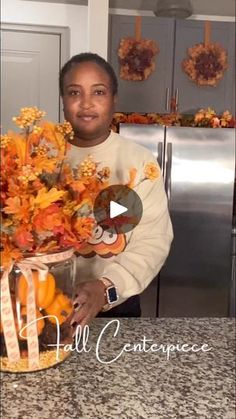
46	213
45	206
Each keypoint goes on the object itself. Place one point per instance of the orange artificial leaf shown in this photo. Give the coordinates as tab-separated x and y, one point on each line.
44	197
19	145
9	254
45	164
19	207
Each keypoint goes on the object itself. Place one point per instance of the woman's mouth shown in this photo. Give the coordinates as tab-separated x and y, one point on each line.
87	118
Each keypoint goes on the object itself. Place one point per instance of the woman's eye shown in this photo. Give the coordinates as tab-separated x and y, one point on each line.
99	92
73	93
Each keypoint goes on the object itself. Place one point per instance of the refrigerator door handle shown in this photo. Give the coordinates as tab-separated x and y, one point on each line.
168	170
167	99
176	99
160	155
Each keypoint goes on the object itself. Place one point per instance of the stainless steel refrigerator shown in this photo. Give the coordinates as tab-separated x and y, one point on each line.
198	166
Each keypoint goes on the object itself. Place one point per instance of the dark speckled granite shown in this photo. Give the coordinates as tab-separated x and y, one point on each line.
138	385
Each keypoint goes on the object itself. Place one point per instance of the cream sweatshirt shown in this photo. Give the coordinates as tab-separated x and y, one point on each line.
133	259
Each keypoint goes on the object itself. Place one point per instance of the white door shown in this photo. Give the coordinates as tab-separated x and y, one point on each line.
31	61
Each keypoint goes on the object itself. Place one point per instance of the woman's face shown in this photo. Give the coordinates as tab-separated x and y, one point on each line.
88	103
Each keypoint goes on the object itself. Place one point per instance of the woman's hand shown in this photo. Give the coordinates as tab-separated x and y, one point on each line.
90	298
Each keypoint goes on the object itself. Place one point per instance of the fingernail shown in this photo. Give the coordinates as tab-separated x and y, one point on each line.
76	306
73	324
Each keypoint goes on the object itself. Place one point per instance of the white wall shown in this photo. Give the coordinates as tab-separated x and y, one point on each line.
38	13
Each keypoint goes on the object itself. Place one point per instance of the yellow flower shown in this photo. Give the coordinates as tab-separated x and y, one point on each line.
151	171
5	140
28	116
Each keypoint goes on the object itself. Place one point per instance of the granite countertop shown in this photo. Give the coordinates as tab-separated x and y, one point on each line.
137	385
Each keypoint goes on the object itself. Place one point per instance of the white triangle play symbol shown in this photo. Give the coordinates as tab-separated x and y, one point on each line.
116	209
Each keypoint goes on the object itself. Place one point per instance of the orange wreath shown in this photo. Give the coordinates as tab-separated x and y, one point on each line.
207	61
137	55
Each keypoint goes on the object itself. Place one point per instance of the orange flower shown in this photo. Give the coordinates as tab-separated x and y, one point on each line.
23	238
151	171
48	218
83	227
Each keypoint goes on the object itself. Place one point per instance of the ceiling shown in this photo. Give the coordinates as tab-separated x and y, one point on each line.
200	7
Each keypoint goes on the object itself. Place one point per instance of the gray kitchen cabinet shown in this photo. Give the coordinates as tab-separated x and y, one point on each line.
148	95
173	38
192	97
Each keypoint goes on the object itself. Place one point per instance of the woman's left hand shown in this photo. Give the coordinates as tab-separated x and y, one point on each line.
89	301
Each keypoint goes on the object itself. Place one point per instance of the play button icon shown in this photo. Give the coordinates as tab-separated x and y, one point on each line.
118	208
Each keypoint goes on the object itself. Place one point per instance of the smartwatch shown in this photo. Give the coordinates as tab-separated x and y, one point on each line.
111	296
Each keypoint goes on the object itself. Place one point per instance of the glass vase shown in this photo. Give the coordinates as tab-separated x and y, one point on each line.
36	305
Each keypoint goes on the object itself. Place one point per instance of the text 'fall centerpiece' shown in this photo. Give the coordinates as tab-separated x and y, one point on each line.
46	214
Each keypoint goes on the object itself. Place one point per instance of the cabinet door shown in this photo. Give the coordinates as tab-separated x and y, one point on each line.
191	96
31	60
148	95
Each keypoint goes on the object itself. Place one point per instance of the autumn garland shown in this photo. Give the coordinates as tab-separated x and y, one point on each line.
203	118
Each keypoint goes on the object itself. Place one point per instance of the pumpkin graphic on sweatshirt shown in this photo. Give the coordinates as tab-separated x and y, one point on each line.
103	243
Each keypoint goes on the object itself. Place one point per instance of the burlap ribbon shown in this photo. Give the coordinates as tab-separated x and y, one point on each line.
26	266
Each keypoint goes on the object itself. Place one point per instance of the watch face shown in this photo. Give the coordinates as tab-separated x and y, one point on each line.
111	295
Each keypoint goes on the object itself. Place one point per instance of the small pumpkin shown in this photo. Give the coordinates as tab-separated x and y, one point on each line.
40	323
61	307
44	289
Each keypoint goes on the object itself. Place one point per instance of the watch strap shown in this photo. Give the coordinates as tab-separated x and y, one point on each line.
108	285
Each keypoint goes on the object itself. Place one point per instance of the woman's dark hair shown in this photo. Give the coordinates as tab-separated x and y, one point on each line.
89	57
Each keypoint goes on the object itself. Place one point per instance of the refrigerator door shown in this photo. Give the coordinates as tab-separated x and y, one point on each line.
149	136
200	165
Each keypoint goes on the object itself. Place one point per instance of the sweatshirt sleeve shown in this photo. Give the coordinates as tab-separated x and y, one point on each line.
148	245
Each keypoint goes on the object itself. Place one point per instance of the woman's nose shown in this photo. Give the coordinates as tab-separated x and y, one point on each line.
86	101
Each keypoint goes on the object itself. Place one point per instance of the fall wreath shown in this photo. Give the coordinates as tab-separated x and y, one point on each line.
136	58
136	55
207	61
206	64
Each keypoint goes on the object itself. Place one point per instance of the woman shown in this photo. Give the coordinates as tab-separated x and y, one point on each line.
110	280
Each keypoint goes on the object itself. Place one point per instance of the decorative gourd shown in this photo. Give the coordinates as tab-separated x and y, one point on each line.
61	307
40	323
44	289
